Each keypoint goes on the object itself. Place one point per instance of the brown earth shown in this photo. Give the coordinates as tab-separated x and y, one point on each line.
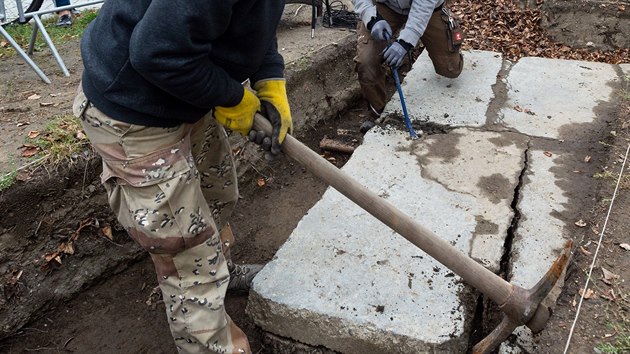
102	300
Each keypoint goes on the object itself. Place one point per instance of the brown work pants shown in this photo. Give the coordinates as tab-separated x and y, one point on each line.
369	63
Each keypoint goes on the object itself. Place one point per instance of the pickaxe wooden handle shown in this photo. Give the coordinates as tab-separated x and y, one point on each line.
519	306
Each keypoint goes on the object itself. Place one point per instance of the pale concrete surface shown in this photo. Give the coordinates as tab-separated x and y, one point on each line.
360	286
547	94
485	165
457	102
348	283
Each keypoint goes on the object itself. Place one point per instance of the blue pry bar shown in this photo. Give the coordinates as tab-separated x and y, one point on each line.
412	132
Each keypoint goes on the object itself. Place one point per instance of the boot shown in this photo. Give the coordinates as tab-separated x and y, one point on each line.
242	275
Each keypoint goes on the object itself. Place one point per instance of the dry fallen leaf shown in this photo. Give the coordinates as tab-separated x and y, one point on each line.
107	232
33	134
34	97
66	248
547	153
261	182
587	159
580	223
609	295
585	251
518	108
625	246
29	151
46	104
608	276
588	294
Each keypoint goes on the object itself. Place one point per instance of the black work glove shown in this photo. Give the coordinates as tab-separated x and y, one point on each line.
271	144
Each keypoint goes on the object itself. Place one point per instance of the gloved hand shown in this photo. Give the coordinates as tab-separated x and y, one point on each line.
381	31
395	53
275	103
239	118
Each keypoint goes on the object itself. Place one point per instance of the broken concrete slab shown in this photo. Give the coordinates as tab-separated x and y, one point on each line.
345	281
546	94
541	233
462	101
483	164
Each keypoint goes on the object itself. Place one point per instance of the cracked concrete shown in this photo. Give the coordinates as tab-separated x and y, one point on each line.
504	186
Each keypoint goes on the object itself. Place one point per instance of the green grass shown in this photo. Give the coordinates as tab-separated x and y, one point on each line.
621	343
61	138
59	35
7	180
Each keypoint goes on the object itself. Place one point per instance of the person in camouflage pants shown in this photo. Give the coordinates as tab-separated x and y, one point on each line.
158	181
156	96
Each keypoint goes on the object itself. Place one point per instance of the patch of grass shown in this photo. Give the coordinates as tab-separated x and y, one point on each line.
621	343
604	175
62	138
7	180
59	35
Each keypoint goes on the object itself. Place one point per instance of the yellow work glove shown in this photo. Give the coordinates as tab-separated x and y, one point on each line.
274	91
239	118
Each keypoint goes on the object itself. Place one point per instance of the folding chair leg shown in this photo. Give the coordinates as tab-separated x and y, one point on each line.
26	58
53	49
31	44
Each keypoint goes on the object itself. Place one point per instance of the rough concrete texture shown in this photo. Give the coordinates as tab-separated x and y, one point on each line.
346	282
455	102
541	233
486	165
546	94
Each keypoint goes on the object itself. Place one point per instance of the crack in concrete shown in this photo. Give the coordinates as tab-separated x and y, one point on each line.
500	90
511	231
484	306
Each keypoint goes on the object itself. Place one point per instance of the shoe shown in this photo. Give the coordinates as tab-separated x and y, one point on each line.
242	275
64	21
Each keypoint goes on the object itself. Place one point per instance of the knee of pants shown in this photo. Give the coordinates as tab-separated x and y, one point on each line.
369	72
453	69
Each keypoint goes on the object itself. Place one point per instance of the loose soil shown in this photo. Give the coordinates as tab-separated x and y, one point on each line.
119	312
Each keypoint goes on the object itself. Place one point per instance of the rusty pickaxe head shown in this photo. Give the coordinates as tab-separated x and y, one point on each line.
525	307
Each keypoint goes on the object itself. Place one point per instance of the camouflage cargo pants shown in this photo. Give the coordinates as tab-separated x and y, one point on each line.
173	190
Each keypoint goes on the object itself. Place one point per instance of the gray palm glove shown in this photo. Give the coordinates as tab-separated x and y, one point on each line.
395	53
381	30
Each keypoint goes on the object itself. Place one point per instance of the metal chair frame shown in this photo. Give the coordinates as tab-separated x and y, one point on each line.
38	26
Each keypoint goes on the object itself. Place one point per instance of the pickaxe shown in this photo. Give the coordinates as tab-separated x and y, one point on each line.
519	306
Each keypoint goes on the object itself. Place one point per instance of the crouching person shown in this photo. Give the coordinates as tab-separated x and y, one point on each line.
388	32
